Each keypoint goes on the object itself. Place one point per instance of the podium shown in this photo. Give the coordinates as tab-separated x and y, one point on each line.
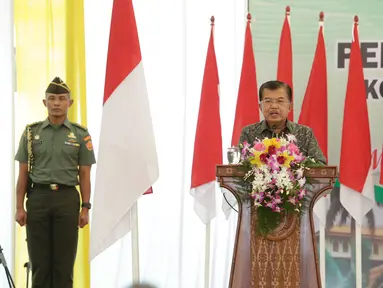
286	257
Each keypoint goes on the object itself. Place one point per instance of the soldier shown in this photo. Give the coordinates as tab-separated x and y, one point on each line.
54	155
275	103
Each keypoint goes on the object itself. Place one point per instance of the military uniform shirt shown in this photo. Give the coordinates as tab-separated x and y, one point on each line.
306	140
57	151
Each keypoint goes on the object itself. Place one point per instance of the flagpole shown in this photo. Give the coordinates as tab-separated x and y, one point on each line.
207	256
358	255
358	226
207	227
135	244
322	228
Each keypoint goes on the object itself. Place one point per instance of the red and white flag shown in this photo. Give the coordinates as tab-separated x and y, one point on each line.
285	58
314	112
247	111
127	159
355	177
208	140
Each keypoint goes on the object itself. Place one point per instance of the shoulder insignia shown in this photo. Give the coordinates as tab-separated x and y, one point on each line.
34	124
80	126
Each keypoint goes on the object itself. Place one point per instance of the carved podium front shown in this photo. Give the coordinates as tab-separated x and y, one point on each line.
286	257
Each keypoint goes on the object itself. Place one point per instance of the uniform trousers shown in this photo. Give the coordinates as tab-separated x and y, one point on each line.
52	235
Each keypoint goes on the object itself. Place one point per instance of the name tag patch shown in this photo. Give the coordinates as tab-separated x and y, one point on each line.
72	144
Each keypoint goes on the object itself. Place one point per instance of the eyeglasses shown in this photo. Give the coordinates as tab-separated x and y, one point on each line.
279	102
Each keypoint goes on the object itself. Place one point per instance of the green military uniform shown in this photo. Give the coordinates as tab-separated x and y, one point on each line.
306	140
53	203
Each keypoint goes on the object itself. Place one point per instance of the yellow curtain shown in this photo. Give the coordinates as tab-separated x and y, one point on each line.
75	78
49	42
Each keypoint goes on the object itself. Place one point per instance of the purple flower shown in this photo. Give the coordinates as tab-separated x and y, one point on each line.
273	163
259	146
245	149
277	199
277	209
270	205
259	197
292	200
293	149
299	157
301	194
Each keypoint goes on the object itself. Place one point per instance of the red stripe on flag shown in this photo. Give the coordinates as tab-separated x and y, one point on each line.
355	158
285	59
123	30
314	108
149	191
247	111
208	139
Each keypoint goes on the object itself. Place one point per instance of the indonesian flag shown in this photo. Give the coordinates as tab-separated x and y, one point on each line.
357	187
208	141
127	160
247	111
314	108
285	58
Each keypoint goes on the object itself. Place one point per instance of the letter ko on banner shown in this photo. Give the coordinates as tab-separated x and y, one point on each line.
372	57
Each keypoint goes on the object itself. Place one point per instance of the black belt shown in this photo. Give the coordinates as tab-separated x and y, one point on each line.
53	187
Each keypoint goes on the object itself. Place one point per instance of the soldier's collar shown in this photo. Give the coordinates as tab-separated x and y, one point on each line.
289	126
47	123
68	124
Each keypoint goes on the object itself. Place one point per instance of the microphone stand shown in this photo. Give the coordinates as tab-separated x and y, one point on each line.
27	265
7	273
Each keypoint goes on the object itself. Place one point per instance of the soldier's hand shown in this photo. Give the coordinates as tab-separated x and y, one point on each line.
21	216
83	218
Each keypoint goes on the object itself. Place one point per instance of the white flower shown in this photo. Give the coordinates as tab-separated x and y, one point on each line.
259	183
302	182
300	173
283	179
268	177
291	138
283	142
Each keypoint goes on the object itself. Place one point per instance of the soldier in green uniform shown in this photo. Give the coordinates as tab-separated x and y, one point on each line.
54	155
275	103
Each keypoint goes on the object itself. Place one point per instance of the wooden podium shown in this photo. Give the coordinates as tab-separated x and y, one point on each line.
285	258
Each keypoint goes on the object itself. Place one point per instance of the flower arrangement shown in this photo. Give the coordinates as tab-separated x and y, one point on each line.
275	179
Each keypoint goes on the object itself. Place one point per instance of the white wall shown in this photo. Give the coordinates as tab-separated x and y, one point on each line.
7	136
